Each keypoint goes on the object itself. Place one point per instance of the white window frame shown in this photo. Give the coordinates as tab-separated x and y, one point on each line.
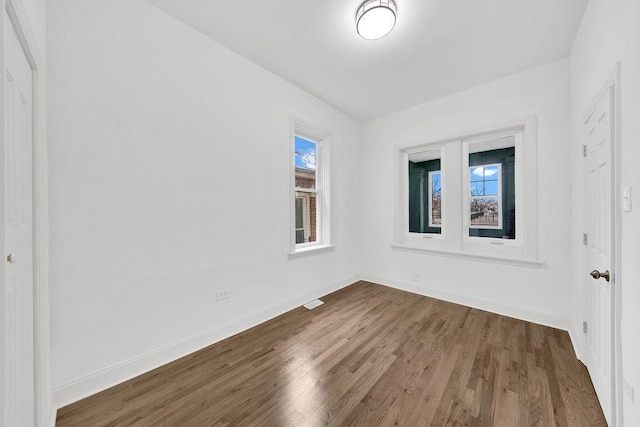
498	196
322	191
455	240
525	243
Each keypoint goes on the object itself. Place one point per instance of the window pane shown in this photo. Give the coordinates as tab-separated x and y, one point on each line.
299	212
425	192
306	217
491	172
477	174
491	188
492	202
477	189
305	163
484	211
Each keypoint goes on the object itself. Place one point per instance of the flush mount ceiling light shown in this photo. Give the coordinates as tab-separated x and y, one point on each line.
376	18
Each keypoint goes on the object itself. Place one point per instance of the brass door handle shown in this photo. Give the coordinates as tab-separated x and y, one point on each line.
597	275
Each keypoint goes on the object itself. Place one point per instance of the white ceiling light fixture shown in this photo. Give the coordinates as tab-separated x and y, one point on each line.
376	18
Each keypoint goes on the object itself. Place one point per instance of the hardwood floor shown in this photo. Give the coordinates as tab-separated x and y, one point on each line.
371	355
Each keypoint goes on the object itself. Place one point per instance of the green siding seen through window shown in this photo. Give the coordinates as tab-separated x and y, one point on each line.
425	197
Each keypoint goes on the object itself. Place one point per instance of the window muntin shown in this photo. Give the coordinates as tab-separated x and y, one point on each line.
424	192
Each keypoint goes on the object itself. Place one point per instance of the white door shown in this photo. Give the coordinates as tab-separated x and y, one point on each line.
18	310
599	279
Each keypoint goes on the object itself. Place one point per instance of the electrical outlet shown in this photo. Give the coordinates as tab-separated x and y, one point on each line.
223	294
628	388
416	277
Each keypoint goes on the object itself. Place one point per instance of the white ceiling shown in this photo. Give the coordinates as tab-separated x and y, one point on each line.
437	47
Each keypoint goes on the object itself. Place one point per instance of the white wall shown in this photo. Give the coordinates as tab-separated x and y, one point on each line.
169	181
609	33
541	295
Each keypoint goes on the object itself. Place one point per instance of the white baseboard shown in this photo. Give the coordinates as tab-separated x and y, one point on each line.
112	375
546	319
52	417
576	346
95	382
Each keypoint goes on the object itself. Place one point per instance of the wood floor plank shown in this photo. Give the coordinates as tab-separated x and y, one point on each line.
371	355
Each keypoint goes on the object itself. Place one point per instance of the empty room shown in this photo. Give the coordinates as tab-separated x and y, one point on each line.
320	212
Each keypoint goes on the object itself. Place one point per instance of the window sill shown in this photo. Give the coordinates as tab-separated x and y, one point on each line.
520	262
311	250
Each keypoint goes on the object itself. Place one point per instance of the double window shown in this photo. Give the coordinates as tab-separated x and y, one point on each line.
310	188
471	195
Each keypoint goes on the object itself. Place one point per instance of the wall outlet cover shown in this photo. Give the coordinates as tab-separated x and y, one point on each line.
224	294
628	389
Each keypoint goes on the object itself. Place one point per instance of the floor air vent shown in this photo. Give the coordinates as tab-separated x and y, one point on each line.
313	304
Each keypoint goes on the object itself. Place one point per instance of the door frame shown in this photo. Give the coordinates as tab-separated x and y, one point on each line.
44	413
611	85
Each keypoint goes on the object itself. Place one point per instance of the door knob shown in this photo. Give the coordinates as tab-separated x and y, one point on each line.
11	258
596	275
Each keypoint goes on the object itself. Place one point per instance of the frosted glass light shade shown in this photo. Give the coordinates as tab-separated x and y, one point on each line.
376	18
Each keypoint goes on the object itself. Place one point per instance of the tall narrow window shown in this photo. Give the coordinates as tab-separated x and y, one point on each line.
306	175
310	202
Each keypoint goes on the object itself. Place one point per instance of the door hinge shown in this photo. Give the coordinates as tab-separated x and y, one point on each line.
584	327
584	151
585	239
